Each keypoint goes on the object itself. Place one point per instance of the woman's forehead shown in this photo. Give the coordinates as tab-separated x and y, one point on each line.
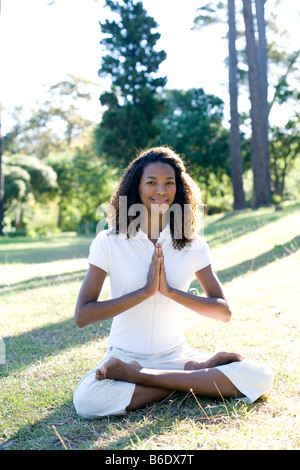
156	169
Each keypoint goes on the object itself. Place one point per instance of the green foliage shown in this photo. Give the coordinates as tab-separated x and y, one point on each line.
285	150
211	13
84	182
43	163
26	175
27	179
17	181
67	182
42	177
134	101
192	125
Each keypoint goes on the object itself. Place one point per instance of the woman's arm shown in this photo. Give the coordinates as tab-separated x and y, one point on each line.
90	310
213	306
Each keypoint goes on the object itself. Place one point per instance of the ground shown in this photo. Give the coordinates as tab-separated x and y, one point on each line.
256	256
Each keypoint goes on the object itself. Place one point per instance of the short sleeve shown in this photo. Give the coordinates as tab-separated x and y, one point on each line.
202	254
99	252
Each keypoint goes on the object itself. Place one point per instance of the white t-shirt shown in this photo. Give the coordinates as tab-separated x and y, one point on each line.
155	325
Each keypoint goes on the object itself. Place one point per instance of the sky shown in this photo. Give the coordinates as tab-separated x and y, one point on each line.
42	42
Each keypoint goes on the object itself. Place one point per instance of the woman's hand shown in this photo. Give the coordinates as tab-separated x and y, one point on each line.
152	284
164	287
157	279
214	305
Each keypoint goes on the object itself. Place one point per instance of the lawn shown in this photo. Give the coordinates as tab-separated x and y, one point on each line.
256	256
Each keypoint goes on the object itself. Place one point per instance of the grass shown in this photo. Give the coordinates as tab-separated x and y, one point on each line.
256	255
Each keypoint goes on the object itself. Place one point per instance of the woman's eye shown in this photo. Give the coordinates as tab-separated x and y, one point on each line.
168	183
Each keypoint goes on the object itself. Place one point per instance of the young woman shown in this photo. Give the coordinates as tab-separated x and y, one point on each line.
152	252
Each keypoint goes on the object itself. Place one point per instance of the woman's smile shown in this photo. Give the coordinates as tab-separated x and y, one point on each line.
159	201
157	185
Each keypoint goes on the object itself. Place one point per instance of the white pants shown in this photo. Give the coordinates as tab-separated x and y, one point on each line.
94	398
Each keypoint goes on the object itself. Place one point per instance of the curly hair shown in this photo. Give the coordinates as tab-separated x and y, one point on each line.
187	194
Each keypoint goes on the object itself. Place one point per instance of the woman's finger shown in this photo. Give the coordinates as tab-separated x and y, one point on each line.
159	250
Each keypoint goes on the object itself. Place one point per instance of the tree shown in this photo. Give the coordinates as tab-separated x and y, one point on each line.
211	13
83	183
192	125
257	87
283	60
131	63
271	64
285	148
64	101
56	124
235	138
25	176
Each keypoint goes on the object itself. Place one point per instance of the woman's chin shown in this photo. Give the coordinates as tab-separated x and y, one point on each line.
159	208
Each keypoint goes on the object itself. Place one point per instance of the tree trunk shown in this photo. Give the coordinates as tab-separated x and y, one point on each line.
261	196
235	138
262	54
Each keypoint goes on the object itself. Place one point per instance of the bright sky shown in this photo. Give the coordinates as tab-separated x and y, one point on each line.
41	44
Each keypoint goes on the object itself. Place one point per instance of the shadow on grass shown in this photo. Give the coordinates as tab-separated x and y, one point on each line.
39	343
50	339
276	253
44	281
237	223
43	251
133	431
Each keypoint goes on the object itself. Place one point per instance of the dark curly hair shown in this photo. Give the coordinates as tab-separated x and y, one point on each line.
187	193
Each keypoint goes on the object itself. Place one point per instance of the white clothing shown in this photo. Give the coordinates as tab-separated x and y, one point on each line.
151	333
94	398
154	325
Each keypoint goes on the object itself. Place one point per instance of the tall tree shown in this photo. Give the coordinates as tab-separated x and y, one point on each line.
235	138
132	64
213	13
262	52
256	74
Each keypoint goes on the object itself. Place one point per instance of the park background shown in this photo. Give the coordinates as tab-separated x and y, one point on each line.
165	77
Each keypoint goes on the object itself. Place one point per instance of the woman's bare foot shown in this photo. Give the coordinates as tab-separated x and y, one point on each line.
219	359
116	369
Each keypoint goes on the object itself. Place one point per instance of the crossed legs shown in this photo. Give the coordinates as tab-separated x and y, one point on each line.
151	384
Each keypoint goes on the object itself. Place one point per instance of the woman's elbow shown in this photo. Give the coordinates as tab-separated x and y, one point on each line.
79	320
227	314
227	317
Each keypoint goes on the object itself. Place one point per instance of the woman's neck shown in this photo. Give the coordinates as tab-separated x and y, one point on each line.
154	225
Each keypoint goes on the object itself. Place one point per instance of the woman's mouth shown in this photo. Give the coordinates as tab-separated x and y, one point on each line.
159	201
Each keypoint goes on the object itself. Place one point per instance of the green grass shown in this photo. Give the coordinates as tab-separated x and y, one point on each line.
256	255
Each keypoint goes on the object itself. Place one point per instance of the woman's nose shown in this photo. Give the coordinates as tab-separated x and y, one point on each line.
160	189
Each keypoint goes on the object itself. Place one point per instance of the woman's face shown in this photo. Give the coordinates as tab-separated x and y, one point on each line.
157	185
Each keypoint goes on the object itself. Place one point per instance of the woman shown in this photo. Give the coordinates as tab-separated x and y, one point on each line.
152	252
